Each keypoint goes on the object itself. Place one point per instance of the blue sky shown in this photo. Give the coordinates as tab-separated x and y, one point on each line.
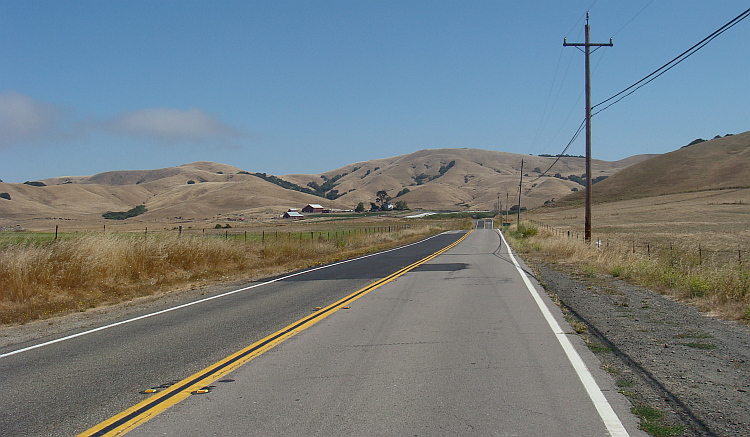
309	86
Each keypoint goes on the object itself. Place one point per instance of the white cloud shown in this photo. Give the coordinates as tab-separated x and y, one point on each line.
171	125
25	120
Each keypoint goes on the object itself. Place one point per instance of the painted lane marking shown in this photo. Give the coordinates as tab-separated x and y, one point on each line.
140	413
606	413
145	316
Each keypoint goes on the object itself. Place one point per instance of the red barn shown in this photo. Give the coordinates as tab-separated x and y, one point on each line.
313	208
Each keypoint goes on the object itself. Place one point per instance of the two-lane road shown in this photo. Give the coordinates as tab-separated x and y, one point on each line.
456	346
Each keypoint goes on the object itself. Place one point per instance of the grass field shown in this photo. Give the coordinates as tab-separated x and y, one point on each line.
693	246
716	221
41	276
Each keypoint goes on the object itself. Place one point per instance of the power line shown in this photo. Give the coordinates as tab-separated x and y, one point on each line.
543	122
575	136
651	77
587	51
671	64
656	73
549	97
631	20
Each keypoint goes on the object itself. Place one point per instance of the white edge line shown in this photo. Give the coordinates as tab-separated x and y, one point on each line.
145	316
607	414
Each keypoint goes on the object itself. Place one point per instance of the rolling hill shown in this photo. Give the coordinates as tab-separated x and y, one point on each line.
721	163
457	179
441	179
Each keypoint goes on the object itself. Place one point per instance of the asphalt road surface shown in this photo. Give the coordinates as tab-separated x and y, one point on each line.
459	345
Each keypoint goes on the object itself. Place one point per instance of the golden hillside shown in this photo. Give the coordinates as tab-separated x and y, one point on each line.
443	179
472	181
720	163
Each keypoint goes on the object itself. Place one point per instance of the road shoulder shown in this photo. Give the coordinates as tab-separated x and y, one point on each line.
663	354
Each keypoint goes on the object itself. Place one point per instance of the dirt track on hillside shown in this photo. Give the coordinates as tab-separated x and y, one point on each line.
663	353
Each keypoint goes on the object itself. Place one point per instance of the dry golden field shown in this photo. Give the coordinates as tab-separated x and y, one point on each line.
41	277
714	220
693	246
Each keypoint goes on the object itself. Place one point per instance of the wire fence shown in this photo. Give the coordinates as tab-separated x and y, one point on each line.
695	253
226	233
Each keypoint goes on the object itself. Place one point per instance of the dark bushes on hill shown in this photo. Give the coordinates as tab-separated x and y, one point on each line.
138	210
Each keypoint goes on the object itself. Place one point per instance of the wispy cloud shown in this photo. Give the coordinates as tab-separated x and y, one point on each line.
24	120
171	126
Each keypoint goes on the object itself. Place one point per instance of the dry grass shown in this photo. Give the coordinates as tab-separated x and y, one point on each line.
41	278
721	163
722	289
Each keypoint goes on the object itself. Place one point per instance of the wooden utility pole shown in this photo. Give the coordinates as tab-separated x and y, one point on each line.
518	220
587	51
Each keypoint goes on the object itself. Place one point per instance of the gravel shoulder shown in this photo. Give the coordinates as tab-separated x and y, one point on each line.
662	353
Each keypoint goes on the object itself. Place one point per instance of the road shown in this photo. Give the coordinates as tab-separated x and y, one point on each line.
455	346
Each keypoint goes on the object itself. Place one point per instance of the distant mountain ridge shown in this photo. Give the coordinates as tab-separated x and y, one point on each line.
439	179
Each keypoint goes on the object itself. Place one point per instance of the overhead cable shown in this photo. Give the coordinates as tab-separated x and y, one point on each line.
671	64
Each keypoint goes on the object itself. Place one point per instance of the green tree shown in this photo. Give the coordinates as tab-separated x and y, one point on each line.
360	207
400	205
382	196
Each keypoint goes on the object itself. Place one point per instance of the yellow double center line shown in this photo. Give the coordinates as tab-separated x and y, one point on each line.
143	411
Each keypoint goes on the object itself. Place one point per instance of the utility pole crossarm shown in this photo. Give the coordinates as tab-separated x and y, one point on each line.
583	44
587	51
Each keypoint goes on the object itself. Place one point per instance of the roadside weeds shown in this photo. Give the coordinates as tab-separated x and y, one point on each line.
686	374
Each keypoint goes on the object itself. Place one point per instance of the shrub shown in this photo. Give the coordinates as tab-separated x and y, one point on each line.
619	271
696	285
138	210
400	205
589	271
694	142
5	196
527	230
